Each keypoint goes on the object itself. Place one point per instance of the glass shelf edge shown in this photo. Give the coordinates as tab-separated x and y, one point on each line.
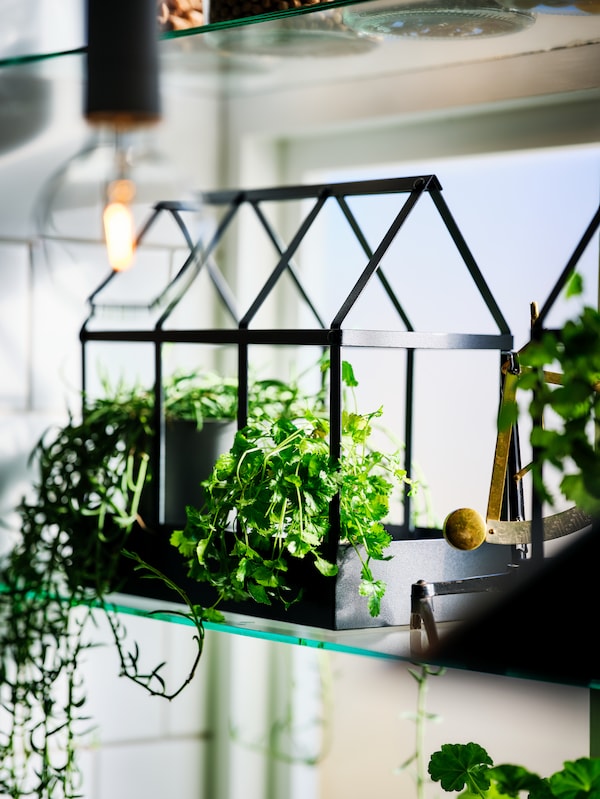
316	8
36	58
170	36
382	642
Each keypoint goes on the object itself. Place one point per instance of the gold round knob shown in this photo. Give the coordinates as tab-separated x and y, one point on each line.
464	529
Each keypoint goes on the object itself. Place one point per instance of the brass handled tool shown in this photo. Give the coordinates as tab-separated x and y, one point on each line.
466	529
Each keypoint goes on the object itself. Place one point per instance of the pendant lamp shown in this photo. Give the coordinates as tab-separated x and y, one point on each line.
91	207
110	185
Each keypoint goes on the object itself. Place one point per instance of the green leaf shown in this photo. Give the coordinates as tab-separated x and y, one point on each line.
325	567
374	591
578	779
294	479
348	376
491	793
297	546
179	540
511	780
266	576
541	791
210	614
258	594
201	549
376	541
456	766
242	570
574	285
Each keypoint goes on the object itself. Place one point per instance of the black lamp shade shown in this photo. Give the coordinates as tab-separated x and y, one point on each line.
122	62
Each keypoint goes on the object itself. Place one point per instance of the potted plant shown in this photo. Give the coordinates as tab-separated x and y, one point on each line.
469	769
75	524
270	501
200	412
569	442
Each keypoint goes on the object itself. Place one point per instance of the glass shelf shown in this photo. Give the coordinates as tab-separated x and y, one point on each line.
523	632
31	34
577	666
390	643
44	42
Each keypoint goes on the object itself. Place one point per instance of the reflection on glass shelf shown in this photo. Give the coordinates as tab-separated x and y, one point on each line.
25	107
437	19
322	34
225	10
379	642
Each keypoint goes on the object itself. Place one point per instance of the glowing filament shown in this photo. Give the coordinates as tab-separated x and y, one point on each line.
119	229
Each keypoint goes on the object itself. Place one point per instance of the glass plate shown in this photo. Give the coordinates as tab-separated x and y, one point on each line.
433	21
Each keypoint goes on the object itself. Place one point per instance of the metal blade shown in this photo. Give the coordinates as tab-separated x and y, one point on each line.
500	465
555	526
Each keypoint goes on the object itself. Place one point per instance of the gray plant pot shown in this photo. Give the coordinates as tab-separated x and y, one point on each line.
432	560
190	455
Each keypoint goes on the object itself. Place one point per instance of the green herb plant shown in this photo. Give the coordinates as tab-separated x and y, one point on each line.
565	406
197	397
269	499
421	718
468	768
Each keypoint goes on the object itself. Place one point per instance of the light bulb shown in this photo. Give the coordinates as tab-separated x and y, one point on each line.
122	92
69	213
119	230
71	261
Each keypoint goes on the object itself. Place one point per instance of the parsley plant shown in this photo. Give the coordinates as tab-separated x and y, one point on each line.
269	497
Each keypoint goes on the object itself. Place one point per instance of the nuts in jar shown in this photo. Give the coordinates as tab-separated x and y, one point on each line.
174	15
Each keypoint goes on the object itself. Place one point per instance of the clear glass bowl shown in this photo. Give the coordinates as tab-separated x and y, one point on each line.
459	19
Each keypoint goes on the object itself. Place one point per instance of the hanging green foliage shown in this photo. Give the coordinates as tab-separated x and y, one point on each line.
566	413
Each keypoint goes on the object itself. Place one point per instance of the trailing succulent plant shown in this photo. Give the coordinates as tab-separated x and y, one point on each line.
75	525
75	530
